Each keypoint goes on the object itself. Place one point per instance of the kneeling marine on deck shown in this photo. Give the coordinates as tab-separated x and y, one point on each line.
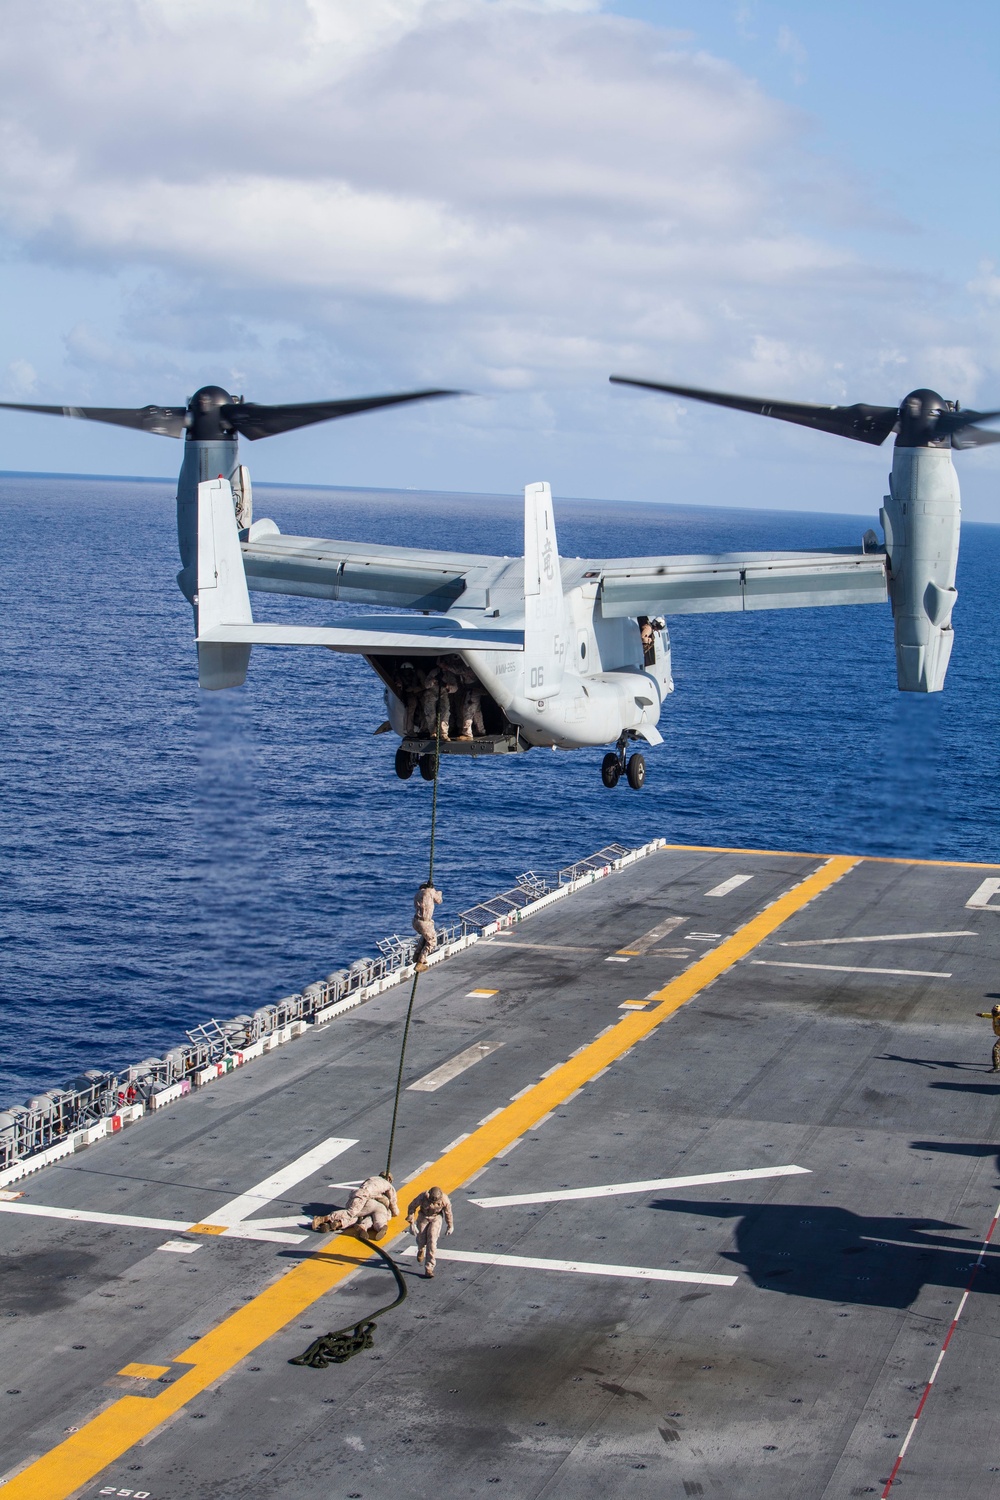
368	1210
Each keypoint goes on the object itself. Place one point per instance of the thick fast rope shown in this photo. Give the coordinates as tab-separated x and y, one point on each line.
340	1345
416	974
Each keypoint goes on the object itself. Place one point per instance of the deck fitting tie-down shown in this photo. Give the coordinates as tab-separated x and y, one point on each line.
337	1347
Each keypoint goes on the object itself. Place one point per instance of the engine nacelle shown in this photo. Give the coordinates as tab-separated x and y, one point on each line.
921	518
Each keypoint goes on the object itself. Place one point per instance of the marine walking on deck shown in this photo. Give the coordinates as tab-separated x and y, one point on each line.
425	1215
994	1016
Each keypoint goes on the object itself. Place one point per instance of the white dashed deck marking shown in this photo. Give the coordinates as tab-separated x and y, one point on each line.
732	884
654	1185
579	1267
449	1070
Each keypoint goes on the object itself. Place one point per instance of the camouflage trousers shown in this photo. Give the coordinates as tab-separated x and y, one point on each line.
427	932
996	1055
428	1231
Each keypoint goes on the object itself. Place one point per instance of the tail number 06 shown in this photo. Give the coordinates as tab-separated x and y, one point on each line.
537	677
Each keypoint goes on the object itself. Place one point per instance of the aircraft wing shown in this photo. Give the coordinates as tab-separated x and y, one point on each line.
739	581
359	572
371	635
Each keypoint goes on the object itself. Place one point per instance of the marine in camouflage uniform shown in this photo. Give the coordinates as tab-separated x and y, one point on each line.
424	902
994	1016
426	1214
368	1211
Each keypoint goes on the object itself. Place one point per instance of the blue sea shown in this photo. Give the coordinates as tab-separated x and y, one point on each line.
168	855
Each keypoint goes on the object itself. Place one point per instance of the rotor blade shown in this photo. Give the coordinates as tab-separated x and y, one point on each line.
974	437
253	420
866	424
167	421
957	420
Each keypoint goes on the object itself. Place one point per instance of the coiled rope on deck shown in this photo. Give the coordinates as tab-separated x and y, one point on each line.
342	1344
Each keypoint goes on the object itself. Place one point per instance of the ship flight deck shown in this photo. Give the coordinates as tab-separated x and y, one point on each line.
720	1132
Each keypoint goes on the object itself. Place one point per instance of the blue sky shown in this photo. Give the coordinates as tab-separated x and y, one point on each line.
317	199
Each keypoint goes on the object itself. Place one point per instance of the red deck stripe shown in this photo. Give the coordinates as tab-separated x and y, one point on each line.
941	1354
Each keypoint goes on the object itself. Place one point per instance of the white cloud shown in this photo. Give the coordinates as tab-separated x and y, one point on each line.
496	193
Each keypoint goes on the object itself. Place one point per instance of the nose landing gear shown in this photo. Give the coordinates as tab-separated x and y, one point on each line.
617	764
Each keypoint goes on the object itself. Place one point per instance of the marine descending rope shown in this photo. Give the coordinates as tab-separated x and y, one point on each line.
343	1343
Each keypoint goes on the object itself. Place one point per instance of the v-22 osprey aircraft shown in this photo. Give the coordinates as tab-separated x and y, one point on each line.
568	653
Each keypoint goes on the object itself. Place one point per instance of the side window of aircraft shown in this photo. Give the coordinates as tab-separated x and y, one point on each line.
648	641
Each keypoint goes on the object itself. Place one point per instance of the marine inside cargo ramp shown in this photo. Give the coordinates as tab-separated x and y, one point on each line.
720	1137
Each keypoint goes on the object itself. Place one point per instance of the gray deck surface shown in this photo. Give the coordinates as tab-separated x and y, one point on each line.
799	1380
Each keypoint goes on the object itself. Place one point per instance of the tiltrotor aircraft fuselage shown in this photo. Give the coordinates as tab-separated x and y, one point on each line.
569	653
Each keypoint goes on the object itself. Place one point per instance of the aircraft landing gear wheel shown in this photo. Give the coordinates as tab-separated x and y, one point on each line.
611	769
426	764
404	764
636	771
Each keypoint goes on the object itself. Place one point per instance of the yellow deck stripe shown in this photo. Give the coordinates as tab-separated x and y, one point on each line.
82	1455
871	859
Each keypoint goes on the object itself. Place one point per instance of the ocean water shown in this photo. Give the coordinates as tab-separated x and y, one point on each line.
168	855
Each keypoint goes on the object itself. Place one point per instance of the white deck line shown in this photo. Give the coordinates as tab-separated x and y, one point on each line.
732	884
438	1077
275	1186
137	1221
774	963
579	1267
656	1184
885	937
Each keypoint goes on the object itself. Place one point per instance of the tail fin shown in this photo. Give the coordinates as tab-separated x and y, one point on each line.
222	597
545	634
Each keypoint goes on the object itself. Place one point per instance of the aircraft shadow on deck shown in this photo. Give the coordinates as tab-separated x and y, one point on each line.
839	1256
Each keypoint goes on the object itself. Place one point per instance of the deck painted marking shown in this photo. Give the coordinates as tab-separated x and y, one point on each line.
232	1214
654	1185
82	1455
480	994
580	1267
655	935
226	1220
732	884
777	963
135	1221
438	1077
184	1247
616	958
884	937
703	937
982	897
145	1372
633	1005
548	947
943	1351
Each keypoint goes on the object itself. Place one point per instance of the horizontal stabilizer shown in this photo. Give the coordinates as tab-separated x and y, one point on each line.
373	635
